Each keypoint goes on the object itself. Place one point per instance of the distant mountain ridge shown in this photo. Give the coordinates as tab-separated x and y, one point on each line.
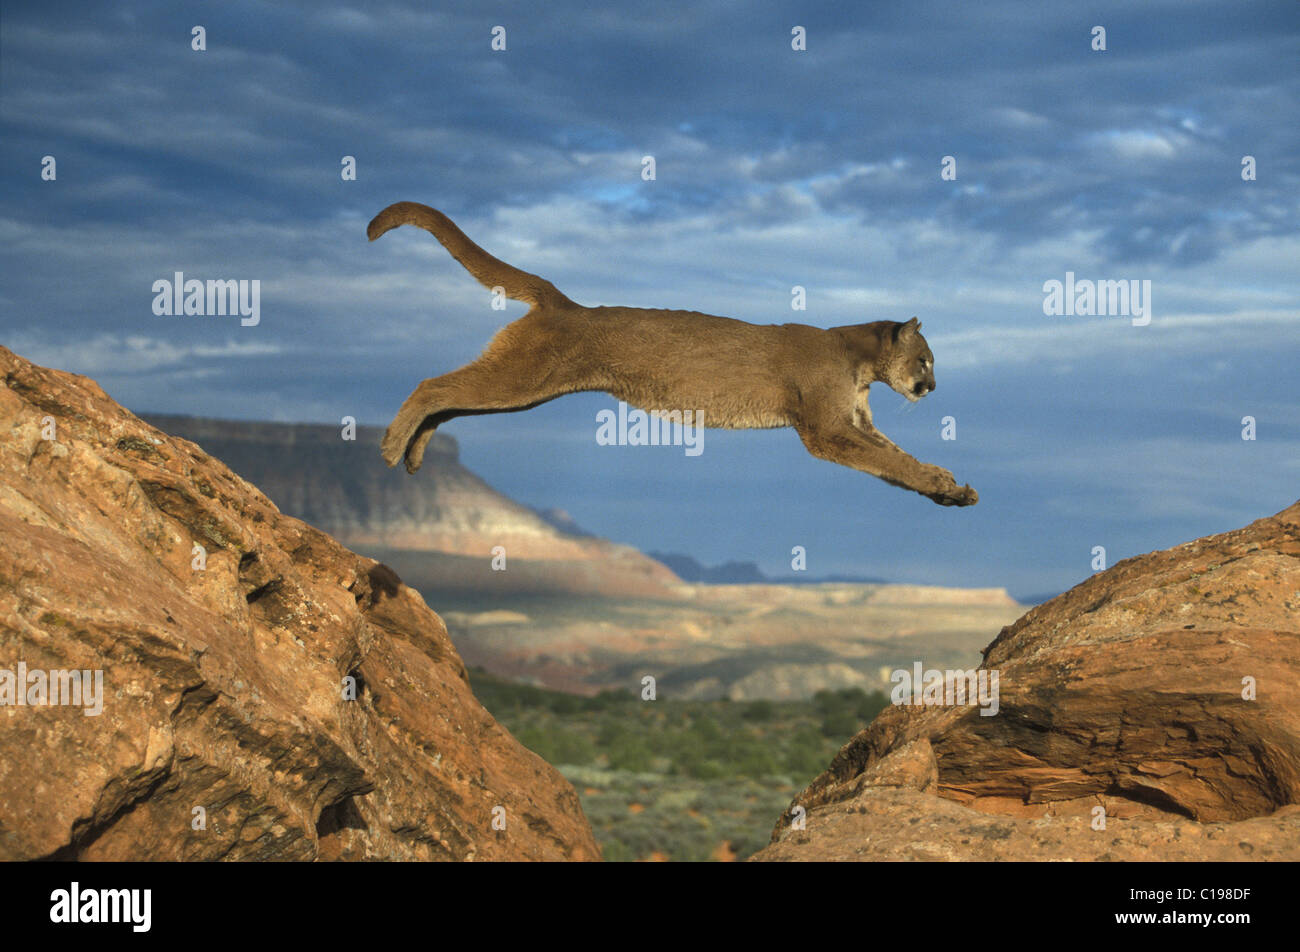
748	573
344	487
728	573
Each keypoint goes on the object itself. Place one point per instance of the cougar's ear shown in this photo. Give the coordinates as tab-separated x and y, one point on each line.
906	330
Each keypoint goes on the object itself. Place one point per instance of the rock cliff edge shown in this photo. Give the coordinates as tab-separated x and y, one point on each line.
1150	713
227	635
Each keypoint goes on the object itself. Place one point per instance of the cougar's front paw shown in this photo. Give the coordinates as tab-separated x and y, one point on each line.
936	480
943	489
965	496
956	496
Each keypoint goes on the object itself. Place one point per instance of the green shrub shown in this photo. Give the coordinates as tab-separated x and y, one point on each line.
762	711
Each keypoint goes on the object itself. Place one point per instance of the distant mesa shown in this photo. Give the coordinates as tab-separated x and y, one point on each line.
439	527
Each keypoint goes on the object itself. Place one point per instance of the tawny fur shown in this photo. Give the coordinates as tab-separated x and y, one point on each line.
738	375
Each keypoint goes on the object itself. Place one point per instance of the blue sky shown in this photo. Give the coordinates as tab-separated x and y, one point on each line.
775	168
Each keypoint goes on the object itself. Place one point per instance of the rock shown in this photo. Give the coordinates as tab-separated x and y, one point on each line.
224	731
1125	693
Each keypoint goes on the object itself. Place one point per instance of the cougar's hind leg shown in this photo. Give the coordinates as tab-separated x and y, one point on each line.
489	385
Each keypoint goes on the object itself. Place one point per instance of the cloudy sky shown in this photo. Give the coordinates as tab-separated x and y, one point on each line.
774	168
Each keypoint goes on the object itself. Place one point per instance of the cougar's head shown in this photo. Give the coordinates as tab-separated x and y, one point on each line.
909	363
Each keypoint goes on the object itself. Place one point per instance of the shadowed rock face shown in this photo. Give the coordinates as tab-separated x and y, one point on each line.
1125	693
223	687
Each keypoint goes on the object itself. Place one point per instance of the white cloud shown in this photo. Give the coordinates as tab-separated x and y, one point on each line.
1020	118
116	355
1074	339
1138	143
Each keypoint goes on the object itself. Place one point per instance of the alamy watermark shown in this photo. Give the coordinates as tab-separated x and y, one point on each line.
925	688
656	428
213	298
1086	298
75	904
36	687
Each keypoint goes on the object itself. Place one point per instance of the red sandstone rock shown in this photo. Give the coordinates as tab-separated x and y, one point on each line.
1124	693
223	687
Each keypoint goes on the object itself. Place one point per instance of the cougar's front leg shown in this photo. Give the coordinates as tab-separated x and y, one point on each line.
842	442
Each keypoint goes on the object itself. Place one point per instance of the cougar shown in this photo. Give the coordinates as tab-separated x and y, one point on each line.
738	375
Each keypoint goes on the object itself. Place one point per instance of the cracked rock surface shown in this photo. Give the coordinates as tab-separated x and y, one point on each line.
1150	713
225	732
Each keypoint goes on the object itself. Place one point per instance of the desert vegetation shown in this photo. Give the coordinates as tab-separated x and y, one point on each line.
679	780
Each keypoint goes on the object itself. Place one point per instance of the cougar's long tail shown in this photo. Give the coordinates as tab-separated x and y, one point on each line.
490	271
